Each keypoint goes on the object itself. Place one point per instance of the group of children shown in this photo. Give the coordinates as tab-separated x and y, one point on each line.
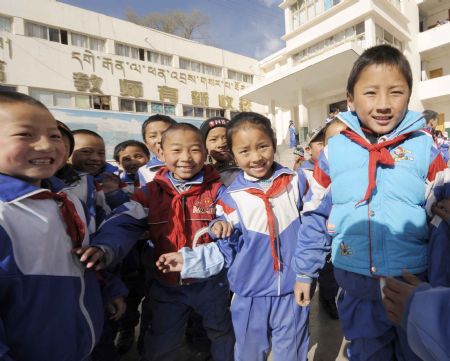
214	212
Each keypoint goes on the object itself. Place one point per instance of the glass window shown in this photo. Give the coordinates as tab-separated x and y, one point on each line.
198	112
122	49
64	38
359	28
5	24
79	40
63	99
188	111
134	53
82	101
36	31
126	105
141	106
157	108
53	34
166	59
152	57
44	96
184	64
388	37
96	44
169	109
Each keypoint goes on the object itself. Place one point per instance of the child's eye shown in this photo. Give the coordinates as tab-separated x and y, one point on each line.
55	136
23	134
369	93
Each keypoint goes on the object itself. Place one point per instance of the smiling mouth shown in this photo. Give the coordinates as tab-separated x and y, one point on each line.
43	161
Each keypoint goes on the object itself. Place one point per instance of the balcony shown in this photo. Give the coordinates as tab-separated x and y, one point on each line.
436	89
437	38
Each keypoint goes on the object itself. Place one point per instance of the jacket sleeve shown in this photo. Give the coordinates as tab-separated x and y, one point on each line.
207	260
428	323
313	243
437	188
121	230
112	286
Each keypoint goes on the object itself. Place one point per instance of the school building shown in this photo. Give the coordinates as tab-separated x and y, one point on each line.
106	74
308	77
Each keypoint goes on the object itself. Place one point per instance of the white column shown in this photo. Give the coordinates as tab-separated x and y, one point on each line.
370	32
303	120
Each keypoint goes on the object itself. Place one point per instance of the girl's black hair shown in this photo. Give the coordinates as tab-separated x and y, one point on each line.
379	55
129	143
250	118
16	97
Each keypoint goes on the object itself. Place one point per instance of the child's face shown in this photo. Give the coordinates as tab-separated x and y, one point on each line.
89	154
315	148
253	151
153	133
216	144
30	143
380	97
132	158
184	153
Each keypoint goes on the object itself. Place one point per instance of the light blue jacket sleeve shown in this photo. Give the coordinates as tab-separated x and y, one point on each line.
428	323
202	261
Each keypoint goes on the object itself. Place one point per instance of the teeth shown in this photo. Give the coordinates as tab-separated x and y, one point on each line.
41	161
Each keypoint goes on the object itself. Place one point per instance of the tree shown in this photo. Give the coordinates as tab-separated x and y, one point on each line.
187	25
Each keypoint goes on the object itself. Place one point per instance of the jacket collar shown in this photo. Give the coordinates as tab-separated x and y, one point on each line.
14	189
411	121
244	181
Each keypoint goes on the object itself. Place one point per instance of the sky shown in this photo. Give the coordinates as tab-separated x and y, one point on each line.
248	27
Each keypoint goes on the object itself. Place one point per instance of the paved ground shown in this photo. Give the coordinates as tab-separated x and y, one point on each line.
326	342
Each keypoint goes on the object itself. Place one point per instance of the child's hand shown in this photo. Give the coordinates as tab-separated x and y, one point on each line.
170	262
302	293
110	182
117	308
91	256
222	229
396	294
442	209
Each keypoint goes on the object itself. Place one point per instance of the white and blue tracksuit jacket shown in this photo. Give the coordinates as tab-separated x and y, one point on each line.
147	172
389	232
247	253
51	308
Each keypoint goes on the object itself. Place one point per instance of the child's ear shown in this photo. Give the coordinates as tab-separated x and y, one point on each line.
350	102
160	154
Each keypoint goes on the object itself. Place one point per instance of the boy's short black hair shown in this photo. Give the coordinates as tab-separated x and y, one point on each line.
182	127
255	119
87	132
156	118
129	143
377	55
429	114
16	97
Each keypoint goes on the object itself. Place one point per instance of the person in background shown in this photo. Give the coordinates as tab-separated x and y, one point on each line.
292	134
299	156
152	130
328	286
219	155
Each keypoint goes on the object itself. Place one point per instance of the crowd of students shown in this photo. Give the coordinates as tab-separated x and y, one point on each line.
191	216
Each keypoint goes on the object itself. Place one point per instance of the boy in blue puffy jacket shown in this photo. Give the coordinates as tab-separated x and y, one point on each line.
372	187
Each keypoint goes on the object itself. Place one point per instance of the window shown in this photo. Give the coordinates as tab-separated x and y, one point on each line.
79	40
188	111
141	107
236	75
126	105
122	49
51	98
303	11
198	112
192	65
82	101
385	37
129	51
96	44
209	113
5	24
53	35
163	108
36	31
159	58
62	99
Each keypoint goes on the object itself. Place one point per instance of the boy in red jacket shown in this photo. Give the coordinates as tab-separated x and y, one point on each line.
181	202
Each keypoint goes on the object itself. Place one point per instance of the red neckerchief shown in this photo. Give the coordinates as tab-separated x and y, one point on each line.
378	154
278	186
177	215
75	227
